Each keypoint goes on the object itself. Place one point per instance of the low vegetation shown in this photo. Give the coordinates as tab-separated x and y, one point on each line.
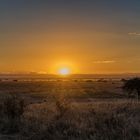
75	121
132	87
63	119
12	109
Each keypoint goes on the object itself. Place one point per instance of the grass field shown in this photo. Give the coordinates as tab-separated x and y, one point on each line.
68	89
67	110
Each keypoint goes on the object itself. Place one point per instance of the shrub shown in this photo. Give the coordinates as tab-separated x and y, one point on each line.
62	105
13	109
132	87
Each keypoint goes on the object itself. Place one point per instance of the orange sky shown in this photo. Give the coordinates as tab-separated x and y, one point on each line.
91	38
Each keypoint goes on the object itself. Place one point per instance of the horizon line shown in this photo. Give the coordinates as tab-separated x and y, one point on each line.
36	73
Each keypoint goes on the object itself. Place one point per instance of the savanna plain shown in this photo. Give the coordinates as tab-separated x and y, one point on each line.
67	109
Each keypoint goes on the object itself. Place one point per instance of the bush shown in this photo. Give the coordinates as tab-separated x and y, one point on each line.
132	87
62	106
12	110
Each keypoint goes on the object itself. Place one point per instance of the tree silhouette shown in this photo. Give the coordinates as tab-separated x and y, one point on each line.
132	87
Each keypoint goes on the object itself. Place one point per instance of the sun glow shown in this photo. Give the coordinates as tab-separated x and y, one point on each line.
64	71
63	68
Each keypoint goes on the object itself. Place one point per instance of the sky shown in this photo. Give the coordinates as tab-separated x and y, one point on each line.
86	36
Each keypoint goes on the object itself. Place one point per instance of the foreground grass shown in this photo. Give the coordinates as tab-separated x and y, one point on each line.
62	120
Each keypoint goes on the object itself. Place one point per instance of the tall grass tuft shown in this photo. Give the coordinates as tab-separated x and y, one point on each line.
12	109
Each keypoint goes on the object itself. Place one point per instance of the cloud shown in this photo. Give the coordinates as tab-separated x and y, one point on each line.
134	60
104	62
134	34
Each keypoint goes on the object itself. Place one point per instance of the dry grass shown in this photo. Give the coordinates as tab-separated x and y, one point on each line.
58	118
79	121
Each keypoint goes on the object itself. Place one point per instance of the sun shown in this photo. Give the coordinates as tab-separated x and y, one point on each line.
64	71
